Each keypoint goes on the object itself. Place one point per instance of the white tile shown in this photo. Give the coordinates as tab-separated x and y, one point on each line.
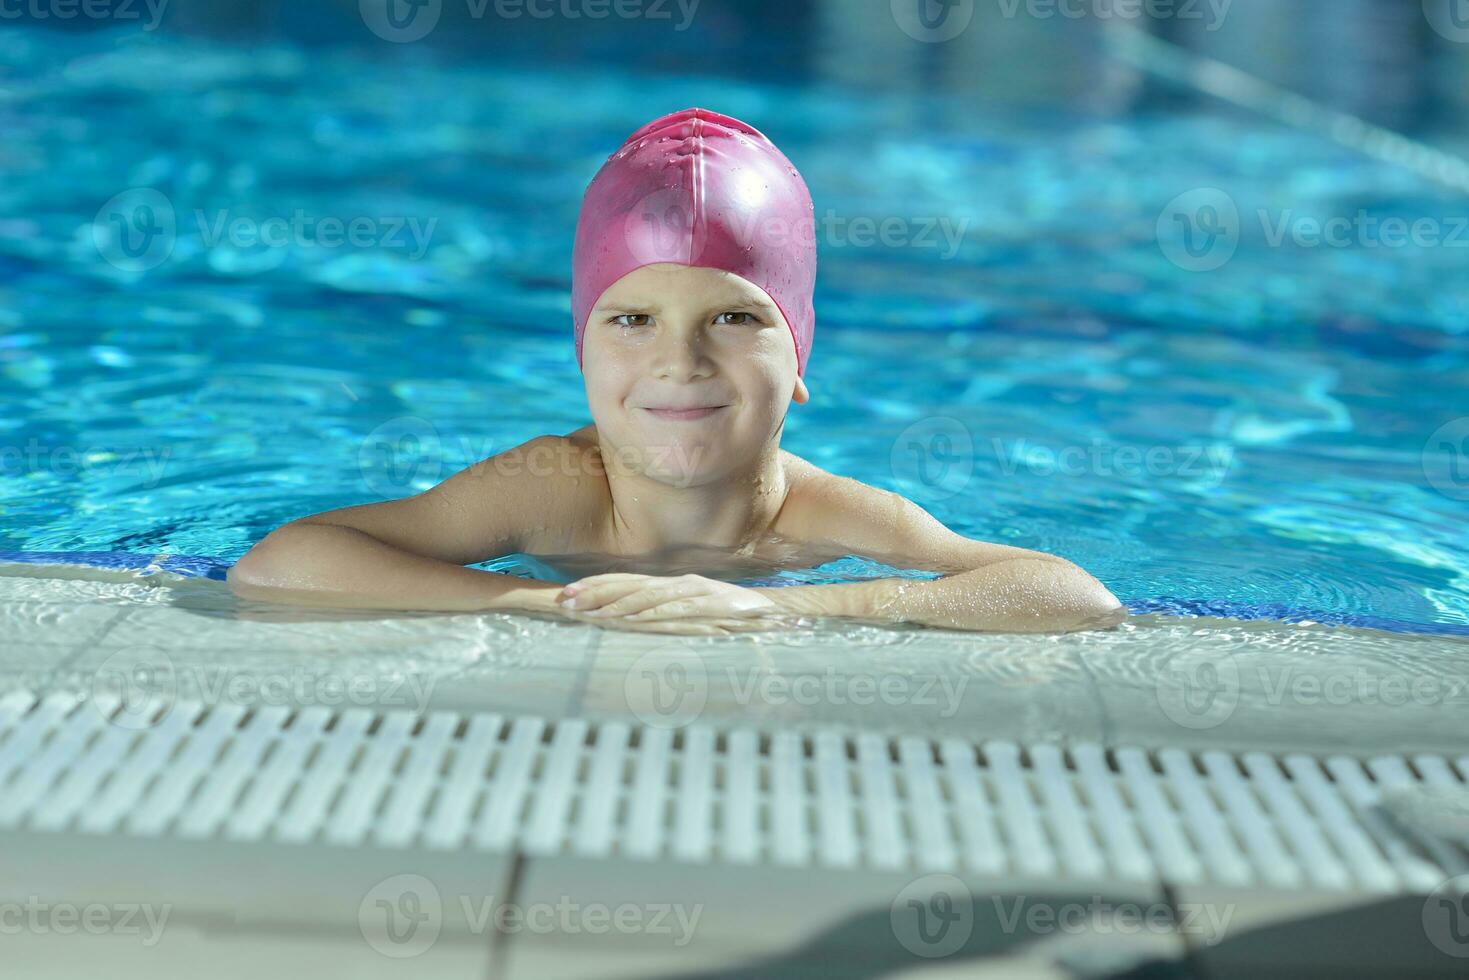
26	624
249	910
930	682
774	921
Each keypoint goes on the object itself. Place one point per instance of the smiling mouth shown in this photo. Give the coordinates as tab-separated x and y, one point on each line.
684	414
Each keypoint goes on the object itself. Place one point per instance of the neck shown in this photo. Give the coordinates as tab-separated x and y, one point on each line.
734	510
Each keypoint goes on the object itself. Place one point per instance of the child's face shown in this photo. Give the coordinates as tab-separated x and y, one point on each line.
671	336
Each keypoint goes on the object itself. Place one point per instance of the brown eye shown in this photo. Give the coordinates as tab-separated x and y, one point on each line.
642	319
746	318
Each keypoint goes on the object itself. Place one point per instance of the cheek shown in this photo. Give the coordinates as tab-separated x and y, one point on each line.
607	383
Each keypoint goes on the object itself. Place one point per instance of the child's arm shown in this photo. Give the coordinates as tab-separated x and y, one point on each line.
410	553
990	586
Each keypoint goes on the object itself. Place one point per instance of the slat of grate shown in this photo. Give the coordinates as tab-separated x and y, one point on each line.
13	706
81	784
307	810
33	730
1209	829
1114	822
546	829
934	848
176	783
790	843
596	823
1405	853
1392	772
1270	857
403	818
505	796
351	819
262	801
448	822
1358	850
741	799
41	769
693	835
644	837
126	785
836	823
1436	772
1065	814
1173	854
1318	855
886	847
210	805
983	850
1018	816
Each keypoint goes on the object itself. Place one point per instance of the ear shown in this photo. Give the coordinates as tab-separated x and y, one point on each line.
802	394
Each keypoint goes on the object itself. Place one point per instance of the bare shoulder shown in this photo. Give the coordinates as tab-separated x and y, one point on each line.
825	506
540	497
832	509
562	478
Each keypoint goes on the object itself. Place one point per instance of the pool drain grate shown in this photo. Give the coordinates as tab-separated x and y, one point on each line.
701	794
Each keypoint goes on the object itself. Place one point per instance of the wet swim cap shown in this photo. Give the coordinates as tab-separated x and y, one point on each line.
700	189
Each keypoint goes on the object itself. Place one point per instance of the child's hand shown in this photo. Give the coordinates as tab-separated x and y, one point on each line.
623	600
676	627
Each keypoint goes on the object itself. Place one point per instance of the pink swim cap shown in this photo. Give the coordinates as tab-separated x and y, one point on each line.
699	189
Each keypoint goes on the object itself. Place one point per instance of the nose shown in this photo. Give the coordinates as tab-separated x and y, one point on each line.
679	355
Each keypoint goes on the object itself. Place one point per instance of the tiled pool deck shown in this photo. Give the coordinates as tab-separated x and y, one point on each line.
244	909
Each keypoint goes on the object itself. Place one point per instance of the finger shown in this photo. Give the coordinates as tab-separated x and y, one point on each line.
596	596
630	625
595	580
743	625
684	607
649	597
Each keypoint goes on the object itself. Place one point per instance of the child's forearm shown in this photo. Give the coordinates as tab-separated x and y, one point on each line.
330	565
1019	595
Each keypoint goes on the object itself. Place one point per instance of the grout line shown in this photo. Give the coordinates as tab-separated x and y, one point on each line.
1191	961
1105	722
583	679
84	646
500	944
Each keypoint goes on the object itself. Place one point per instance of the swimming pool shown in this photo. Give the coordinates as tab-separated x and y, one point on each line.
241	287
1252	440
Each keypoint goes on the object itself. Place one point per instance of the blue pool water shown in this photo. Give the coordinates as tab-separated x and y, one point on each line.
1018	354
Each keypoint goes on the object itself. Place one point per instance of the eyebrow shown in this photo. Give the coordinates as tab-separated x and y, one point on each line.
640	306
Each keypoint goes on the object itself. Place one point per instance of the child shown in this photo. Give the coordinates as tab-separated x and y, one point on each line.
692	280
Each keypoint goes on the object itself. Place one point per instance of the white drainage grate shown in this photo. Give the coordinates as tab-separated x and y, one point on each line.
825	799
